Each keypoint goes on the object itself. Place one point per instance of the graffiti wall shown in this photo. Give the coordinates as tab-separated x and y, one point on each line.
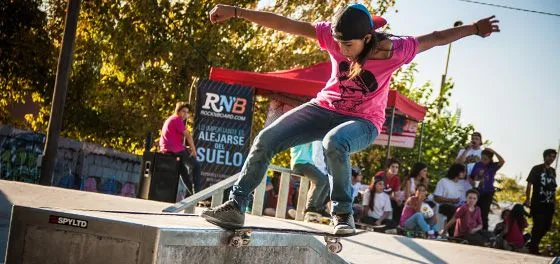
82	166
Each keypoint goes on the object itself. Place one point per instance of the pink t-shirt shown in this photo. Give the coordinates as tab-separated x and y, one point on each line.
171	139
364	96
466	220
514	234
409	209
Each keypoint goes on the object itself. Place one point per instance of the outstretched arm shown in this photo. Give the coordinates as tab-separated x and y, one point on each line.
270	20
484	28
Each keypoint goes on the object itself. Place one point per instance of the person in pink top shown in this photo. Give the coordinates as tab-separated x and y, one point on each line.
171	141
348	113
412	218
468	221
514	226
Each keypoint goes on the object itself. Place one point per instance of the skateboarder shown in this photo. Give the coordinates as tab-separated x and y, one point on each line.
347	113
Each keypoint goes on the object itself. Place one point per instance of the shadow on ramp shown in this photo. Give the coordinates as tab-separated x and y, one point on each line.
386	252
419	249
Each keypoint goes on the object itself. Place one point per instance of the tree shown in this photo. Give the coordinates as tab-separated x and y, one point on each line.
27	55
134	59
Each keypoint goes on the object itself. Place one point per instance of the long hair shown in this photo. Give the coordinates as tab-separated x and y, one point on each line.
372	198
358	64
518	214
416	169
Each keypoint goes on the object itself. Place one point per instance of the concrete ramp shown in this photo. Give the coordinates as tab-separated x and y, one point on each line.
73	235
46	235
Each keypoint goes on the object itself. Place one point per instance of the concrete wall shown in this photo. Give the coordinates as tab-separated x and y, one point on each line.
117	239
79	165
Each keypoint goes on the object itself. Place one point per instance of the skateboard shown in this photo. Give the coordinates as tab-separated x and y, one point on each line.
371	228
242	236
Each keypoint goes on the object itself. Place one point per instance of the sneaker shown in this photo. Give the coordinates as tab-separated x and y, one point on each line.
343	224
225	215
431	234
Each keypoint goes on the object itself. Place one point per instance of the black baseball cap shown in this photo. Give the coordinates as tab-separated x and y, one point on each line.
354	22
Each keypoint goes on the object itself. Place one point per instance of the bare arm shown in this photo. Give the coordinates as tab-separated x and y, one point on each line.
190	142
449	224
484	28
384	216
501	160
441	199
528	194
266	19
462	158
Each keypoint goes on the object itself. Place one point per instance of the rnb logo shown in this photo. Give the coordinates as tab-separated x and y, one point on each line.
220	103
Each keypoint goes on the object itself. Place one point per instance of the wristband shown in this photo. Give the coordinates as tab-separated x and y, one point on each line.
477	30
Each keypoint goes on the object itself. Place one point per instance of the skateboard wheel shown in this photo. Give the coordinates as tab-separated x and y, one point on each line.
330	240
334	247
236	241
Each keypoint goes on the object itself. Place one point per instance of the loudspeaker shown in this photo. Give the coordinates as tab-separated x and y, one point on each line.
164	178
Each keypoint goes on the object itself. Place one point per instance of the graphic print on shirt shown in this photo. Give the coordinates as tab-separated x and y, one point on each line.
548	188
472	159
353	91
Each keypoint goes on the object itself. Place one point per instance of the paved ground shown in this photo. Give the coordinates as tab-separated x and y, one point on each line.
368	247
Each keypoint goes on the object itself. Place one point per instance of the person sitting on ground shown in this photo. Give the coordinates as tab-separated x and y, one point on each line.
499	228
514	226
358	188
413	217
393	186
449	192
271	197
468	222
377	208
418	175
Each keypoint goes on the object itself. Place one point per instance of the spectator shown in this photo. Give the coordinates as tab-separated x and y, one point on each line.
377	205
357	192
449	194
469	156
499	228
514	226
271	197
393	187
171	141
302	162
542	182
412	218
482	176
468	222
418	175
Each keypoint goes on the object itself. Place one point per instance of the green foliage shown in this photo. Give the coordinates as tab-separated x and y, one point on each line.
134	59
27	55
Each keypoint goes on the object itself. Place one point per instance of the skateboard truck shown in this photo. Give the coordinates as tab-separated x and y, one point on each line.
242	237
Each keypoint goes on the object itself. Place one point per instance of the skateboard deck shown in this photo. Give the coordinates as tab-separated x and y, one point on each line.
371	228
242	235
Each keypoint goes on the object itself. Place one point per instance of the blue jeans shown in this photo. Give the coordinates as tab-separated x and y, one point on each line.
341	135
319	191
416	221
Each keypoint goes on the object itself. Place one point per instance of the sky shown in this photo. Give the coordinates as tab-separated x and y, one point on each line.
506	85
